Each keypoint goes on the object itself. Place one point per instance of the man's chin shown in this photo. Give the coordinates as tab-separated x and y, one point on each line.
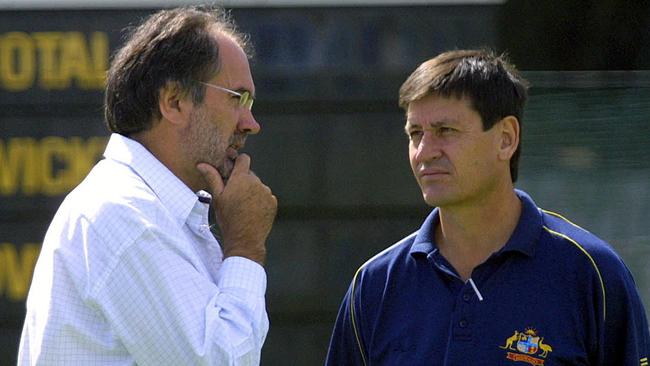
225	169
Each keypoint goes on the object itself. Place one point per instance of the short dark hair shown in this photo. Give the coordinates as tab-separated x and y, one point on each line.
174	45
493	86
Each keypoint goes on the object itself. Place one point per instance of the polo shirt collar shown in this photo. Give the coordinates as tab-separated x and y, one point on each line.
523	239
528	230
172	192
424	239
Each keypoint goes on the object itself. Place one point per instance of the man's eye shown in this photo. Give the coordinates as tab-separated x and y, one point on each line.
246	100
414	134
445	130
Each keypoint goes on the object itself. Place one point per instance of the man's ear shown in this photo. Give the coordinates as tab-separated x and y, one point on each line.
174	105
509	137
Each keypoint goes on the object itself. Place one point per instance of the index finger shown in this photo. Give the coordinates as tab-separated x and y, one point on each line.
242	165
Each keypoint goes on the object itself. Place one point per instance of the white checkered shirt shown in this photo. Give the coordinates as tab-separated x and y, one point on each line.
130	274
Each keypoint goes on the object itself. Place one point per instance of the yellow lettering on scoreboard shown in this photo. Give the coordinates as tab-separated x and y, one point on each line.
16	269
53	60
51	166
17	61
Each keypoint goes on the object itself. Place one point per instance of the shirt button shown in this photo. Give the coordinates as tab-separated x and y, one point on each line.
466	297
462	323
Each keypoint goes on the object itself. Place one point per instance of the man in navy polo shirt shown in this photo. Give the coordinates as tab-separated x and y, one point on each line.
489	278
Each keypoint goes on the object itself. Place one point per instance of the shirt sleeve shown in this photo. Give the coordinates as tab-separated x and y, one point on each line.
625	340
346	344
166	312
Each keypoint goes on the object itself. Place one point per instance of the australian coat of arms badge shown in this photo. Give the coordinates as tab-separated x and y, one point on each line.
529	347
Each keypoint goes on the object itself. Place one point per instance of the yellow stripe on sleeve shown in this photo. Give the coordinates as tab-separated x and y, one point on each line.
352	316
352	297
593	263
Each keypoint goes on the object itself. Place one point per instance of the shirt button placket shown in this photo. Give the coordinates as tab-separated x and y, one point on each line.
463	318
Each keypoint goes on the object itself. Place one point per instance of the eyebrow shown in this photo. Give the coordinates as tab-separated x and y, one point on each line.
433	124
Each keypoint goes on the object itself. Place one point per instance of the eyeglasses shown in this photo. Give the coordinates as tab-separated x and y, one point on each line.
245	98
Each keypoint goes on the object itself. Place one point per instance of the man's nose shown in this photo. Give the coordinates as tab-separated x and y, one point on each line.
429	148
247	123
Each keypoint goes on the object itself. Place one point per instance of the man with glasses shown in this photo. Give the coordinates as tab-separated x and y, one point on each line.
130	271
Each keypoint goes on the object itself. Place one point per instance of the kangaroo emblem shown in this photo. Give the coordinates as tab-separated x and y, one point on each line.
510	341
545	348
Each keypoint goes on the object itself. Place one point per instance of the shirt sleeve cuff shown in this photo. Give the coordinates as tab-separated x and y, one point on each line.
242	273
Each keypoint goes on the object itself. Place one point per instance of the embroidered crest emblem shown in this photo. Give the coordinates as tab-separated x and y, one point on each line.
527	344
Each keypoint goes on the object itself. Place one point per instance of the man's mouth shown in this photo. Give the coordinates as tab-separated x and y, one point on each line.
232	152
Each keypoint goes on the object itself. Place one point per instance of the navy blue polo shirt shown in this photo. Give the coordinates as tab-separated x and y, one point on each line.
555	294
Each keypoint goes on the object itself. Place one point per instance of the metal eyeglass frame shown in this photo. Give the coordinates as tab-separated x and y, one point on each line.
245	98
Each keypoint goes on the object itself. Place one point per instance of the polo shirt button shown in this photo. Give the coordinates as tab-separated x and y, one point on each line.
466	297
463	323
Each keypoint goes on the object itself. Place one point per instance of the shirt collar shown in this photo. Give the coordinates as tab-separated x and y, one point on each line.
172	192
523	239
424	240
529	228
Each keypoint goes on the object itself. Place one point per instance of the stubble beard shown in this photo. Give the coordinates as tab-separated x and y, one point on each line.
204	144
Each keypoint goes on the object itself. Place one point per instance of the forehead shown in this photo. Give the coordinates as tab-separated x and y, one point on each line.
235	70
435	108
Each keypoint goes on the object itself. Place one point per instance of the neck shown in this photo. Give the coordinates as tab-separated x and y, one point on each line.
165	148
467	236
